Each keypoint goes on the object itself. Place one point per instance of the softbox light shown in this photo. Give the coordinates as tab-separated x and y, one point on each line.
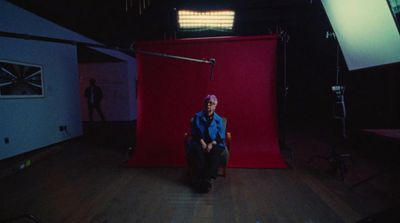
366	31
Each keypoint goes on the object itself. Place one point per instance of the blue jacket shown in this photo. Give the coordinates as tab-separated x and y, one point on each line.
216	129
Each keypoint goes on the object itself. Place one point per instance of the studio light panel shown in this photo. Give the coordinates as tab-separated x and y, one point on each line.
206	20
366	31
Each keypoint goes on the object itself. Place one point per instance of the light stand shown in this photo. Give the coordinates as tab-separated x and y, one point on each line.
284	37
337	160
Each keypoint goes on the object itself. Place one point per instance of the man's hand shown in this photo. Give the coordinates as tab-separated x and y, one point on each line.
203	145
209	147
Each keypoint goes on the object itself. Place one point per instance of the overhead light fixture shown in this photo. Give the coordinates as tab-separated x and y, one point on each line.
206	20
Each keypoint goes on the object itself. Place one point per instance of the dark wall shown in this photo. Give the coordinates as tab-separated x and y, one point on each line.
373	97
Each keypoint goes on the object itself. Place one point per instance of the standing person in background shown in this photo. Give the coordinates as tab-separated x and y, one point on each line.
94	95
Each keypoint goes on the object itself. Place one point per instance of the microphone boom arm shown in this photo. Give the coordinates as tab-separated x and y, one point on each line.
210	61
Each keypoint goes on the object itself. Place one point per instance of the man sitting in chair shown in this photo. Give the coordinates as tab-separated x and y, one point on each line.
207	144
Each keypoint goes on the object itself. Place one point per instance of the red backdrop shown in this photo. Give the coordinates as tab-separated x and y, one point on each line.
170	91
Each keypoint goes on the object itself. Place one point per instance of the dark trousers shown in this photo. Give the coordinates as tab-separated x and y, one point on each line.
205	163
96	107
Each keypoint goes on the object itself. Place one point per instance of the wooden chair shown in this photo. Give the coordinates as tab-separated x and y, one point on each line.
224	155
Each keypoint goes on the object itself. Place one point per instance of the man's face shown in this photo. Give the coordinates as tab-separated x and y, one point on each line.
209	107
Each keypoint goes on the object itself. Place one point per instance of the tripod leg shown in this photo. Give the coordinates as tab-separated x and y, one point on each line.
370	178
342	169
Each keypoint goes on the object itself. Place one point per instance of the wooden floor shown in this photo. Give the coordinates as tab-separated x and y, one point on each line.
82	181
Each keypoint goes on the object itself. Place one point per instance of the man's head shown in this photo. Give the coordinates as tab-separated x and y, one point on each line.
210	104
92	82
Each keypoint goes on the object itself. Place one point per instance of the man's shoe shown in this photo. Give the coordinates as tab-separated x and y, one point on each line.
204	186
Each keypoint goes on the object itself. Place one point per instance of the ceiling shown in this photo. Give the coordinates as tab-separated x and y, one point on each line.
120	22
